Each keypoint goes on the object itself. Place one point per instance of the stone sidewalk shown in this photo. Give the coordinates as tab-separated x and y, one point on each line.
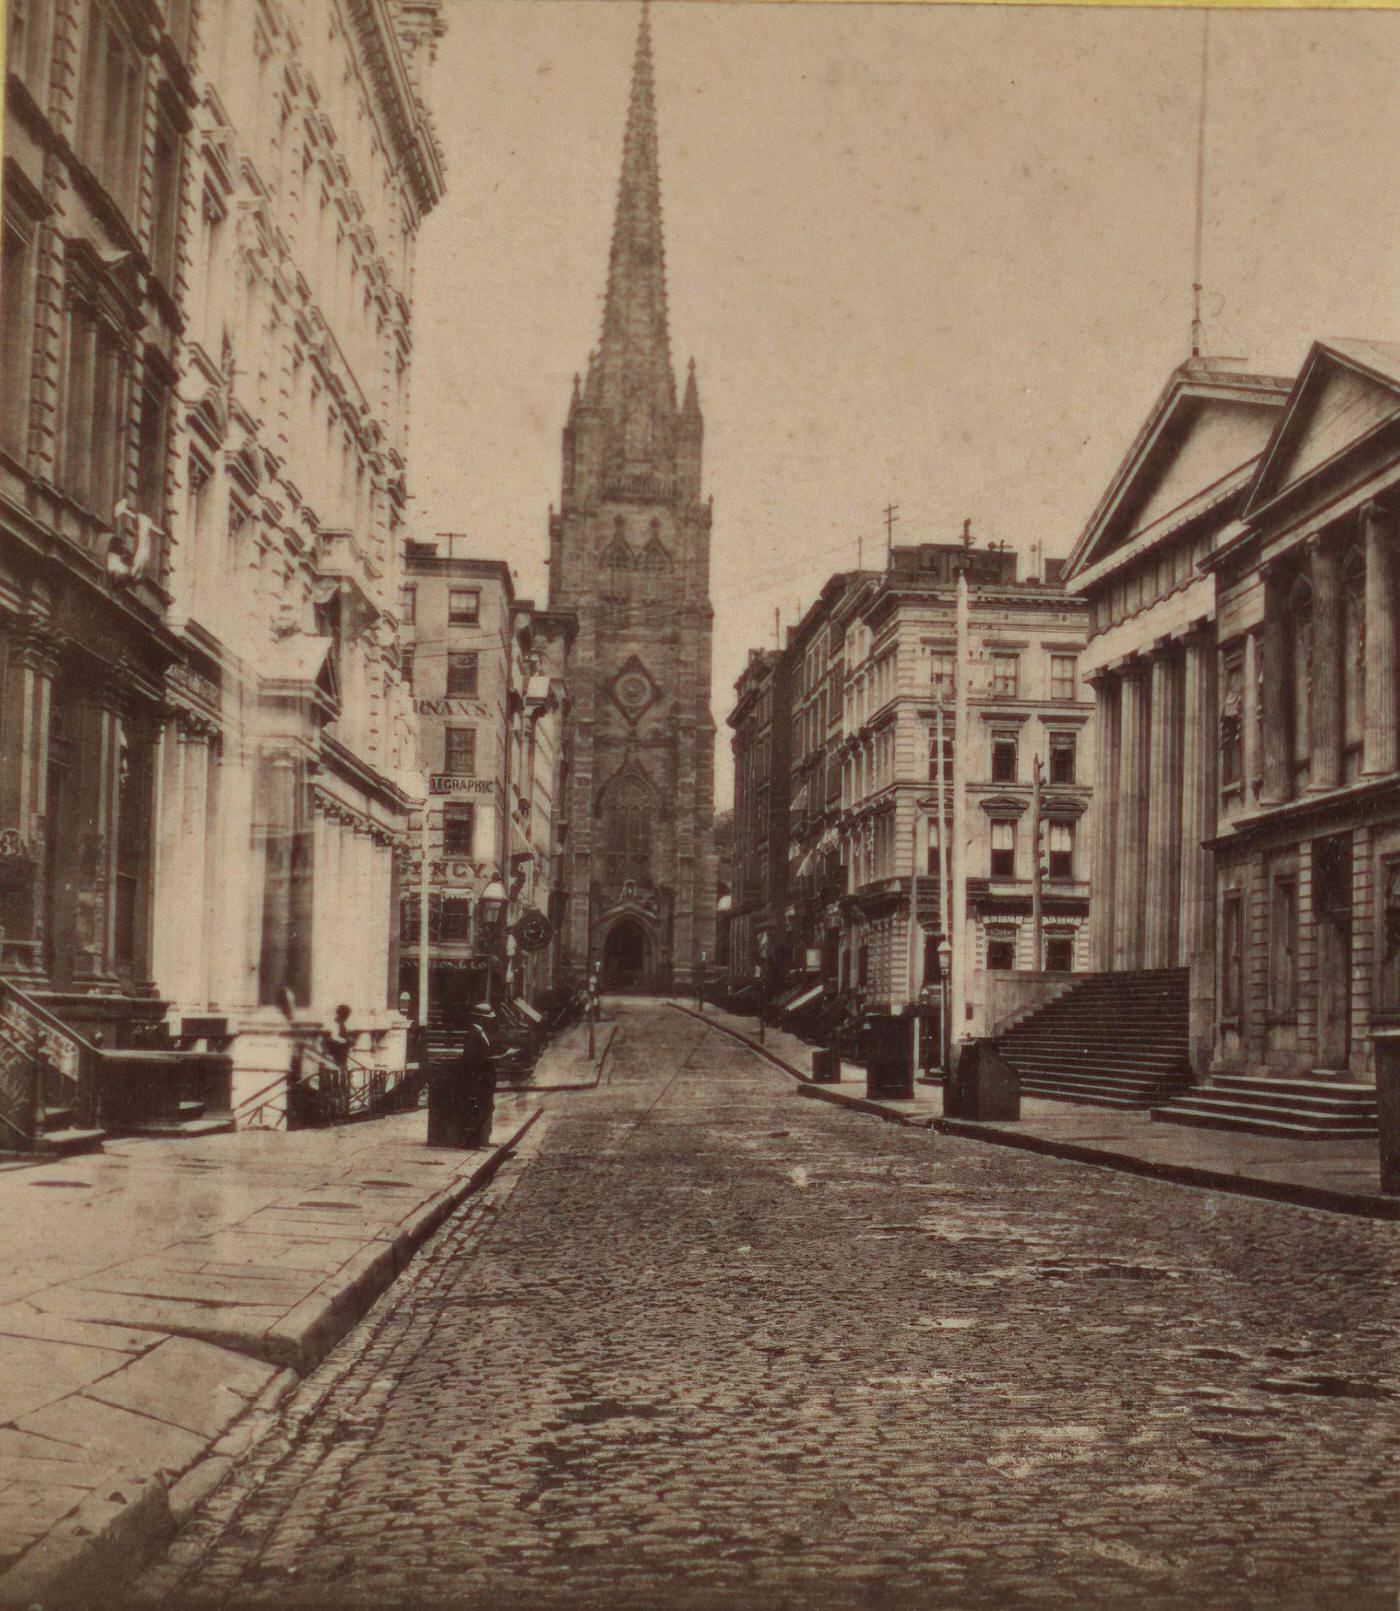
1341	1176
158	1299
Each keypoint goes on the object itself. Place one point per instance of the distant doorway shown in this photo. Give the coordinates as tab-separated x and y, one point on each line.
626	955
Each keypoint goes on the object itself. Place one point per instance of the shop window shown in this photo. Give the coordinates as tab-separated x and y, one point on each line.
1232	958
463	606
456	923
1005	675
1059	954
1283	946
461	675
1004	758
458	827
1061	860
1001	954
1064	676
1062	757
459	751
1003	863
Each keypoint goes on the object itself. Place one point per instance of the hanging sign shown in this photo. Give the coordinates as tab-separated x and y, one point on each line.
451	783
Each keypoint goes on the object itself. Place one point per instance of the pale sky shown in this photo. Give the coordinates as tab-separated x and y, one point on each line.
936	256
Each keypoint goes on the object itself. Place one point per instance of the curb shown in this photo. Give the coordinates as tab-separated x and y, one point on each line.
105	1540
581	1085
1277	1191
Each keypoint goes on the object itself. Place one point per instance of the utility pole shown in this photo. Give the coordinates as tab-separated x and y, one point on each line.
1038	870
957	934
891	517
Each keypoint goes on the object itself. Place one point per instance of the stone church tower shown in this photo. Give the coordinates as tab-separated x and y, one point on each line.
630	553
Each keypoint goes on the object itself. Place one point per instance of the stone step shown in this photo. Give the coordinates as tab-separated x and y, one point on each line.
1086	1099
1336	1090
64	1143
1077	1052
181	1129
1322	1119
1304	1129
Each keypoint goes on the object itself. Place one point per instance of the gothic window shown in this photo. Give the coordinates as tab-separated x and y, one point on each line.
1353	649
618	556
656	560
628	810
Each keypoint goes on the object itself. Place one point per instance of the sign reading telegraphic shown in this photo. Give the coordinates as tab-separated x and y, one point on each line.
450	783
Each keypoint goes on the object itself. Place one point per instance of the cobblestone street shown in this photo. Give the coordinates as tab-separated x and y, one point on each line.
704	1344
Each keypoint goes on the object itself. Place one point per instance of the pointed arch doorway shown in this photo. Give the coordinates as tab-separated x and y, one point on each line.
626	956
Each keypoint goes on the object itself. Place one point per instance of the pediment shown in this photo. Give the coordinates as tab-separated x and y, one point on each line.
1344	391
1204	427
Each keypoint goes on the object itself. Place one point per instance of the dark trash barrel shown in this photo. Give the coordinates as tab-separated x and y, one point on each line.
887	1049
983	1085
462	1096
826	1065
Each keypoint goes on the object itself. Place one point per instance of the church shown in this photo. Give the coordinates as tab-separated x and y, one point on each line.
629	552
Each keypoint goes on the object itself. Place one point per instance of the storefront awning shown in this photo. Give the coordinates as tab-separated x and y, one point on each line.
528	1010
807	997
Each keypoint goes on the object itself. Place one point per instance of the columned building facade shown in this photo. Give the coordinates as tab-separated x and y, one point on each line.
1153	664
1308	848
630	553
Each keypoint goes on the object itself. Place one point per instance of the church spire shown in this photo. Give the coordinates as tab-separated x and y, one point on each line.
634	385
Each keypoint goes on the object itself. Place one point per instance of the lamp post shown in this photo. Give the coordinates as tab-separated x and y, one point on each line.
491	902
945	952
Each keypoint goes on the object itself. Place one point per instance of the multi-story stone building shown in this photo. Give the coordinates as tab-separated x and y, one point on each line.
630	552
293	763
1151	659
761	723
487	672
100	101
210	218
1026	704
1307	853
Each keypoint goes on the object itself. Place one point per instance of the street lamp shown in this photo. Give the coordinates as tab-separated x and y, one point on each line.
945	952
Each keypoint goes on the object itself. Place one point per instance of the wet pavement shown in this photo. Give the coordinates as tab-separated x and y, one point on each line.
704	1344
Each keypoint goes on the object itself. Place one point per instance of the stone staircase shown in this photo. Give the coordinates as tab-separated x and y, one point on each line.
61	1134
1317	1108
1114	1040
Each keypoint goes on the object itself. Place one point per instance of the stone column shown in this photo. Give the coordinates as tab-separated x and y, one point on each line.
1200	723
1380	754
1251	759
1130	870
1163	816
1105	819
1325	768
1277	762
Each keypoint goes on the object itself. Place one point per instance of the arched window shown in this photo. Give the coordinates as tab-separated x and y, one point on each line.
628	810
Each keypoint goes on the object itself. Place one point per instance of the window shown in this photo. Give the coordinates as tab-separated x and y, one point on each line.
153	445
1388	936
1064	676
463	606
165	199
941	674
1004	758
1232	959
408	657
947	777
94	403
1059	954
1061	840
1005	669
1231	722
27	50
458	825
1283	946
109	108
1003	850
1062	746
410	606
461	675
459	751
1001	954
16	323
408	919
456	918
